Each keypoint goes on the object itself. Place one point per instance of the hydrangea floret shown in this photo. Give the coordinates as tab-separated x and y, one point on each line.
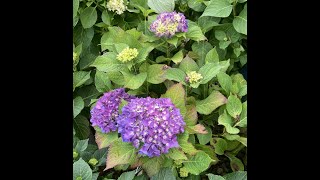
117	6
127	54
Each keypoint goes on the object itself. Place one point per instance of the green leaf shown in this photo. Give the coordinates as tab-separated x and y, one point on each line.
197	129
102	82
215	177
75	7
235	163
175	74
100	155
206	23
191	115
153	165
220	146
205	138
108	63
87	93
196	5
164	174
218	8
83	36
161	6
95	175
209	71
80	77
178	97
201	48
120	153
81	126
104	139
225	120
243	115
240	22
81	145
81	170
234	106
173	40
239	175
212	56
225	81
116	77
143	53
141	177
186	146
88	17
188	64
78	105
242	91
213	101
176	154
177	58
209	150
134	81
127	175
194	32
198	163
106	18
156	73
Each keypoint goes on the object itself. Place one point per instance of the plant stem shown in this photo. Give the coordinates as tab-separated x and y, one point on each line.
168	53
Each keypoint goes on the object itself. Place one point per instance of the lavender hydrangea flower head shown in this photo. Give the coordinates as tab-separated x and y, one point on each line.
167	24
105	112
151	125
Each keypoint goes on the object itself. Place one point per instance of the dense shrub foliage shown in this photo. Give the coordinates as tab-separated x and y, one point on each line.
158	92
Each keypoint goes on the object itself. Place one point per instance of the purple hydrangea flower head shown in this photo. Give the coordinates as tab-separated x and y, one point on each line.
151	125
168	23
105	112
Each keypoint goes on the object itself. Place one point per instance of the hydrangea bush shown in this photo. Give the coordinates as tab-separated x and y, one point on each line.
158	90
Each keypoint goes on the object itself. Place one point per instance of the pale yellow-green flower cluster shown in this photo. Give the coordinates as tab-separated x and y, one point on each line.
93	161
127	54
117	6
194	77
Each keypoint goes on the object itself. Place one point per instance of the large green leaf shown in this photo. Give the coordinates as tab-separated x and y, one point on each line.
83	36
194	32
209	150
80	77
102	82
78	105
116	77
88	17
81	145
212	56
164	174
127	175
225	120
108	63
218	8
81	170
201	48
225	81
214	100
175	74
188	64
153	165
120	153
198	163
178	97
75	7
81	126
235	163
240	22
161	6
88	93
134	81
243	116
156	73
239	175
234	106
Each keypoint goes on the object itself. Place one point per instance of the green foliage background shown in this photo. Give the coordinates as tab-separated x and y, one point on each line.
214	144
